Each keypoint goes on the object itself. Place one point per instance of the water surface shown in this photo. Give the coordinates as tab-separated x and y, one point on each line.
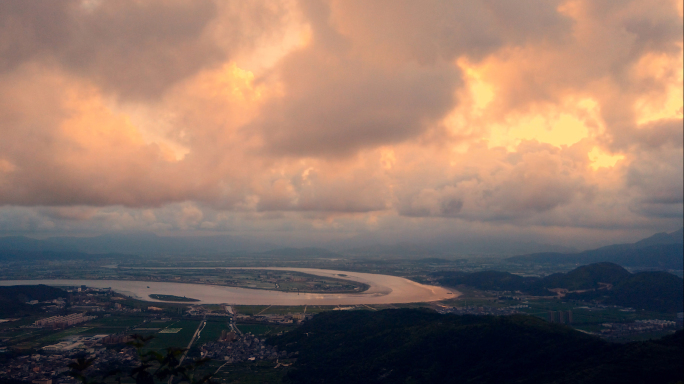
384	289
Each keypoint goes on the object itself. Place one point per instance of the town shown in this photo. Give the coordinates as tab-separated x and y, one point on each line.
98	324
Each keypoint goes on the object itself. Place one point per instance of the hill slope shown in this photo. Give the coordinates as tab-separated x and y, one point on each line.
606	282
653	291
662	250
418	346
13	298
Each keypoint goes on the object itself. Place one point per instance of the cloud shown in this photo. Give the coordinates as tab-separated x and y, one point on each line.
433	31
507	186
336	106
136	50
340	117
656	183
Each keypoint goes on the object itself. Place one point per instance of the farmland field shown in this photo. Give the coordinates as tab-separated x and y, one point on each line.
162	341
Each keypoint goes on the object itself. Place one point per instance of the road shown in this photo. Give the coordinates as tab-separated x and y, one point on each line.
234	327
195	337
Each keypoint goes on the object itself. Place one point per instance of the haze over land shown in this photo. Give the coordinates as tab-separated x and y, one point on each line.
539	125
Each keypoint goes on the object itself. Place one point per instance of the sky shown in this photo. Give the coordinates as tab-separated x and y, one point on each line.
303	122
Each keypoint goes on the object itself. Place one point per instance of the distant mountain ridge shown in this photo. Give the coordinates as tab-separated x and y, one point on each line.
59	255
308	252
396	250
442	247
661	251
141	243
135	243
606	282
676	237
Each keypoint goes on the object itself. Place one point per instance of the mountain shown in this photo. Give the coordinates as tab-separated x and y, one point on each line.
23	243
605	282
308	253
420	346
57	255
13	298
136	243
401	250
661	251
588	277
441	247
490	281
653	291
676	237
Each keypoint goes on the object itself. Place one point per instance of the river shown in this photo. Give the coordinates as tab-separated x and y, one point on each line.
384	289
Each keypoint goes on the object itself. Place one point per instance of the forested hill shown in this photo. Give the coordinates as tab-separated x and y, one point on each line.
606	282
13	299
662	250
420	346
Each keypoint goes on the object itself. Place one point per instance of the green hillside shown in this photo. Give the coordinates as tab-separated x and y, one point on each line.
419	346
13	298
587	277
491	281
605	282
653	291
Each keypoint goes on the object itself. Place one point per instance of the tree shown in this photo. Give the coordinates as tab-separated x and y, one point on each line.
153	365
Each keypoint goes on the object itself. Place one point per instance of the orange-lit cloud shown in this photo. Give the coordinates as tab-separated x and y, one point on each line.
341	118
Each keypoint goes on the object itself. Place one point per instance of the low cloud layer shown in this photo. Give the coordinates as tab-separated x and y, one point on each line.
337	119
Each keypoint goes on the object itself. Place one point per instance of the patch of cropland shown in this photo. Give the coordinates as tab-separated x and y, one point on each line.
420	346
604	282
177	335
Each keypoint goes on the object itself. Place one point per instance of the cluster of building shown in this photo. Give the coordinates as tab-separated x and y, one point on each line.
657	323
295	318
55	304
53	368
511	310
616	330
80	342
563	317
63	321
236	349
116	339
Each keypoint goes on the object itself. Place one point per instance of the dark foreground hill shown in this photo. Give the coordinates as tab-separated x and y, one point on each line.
13	299
662	251
419	346
605	282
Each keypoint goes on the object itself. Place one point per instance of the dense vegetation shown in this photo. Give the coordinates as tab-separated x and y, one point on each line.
653	291
605	282
13	299
171	298
420	346
492	281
